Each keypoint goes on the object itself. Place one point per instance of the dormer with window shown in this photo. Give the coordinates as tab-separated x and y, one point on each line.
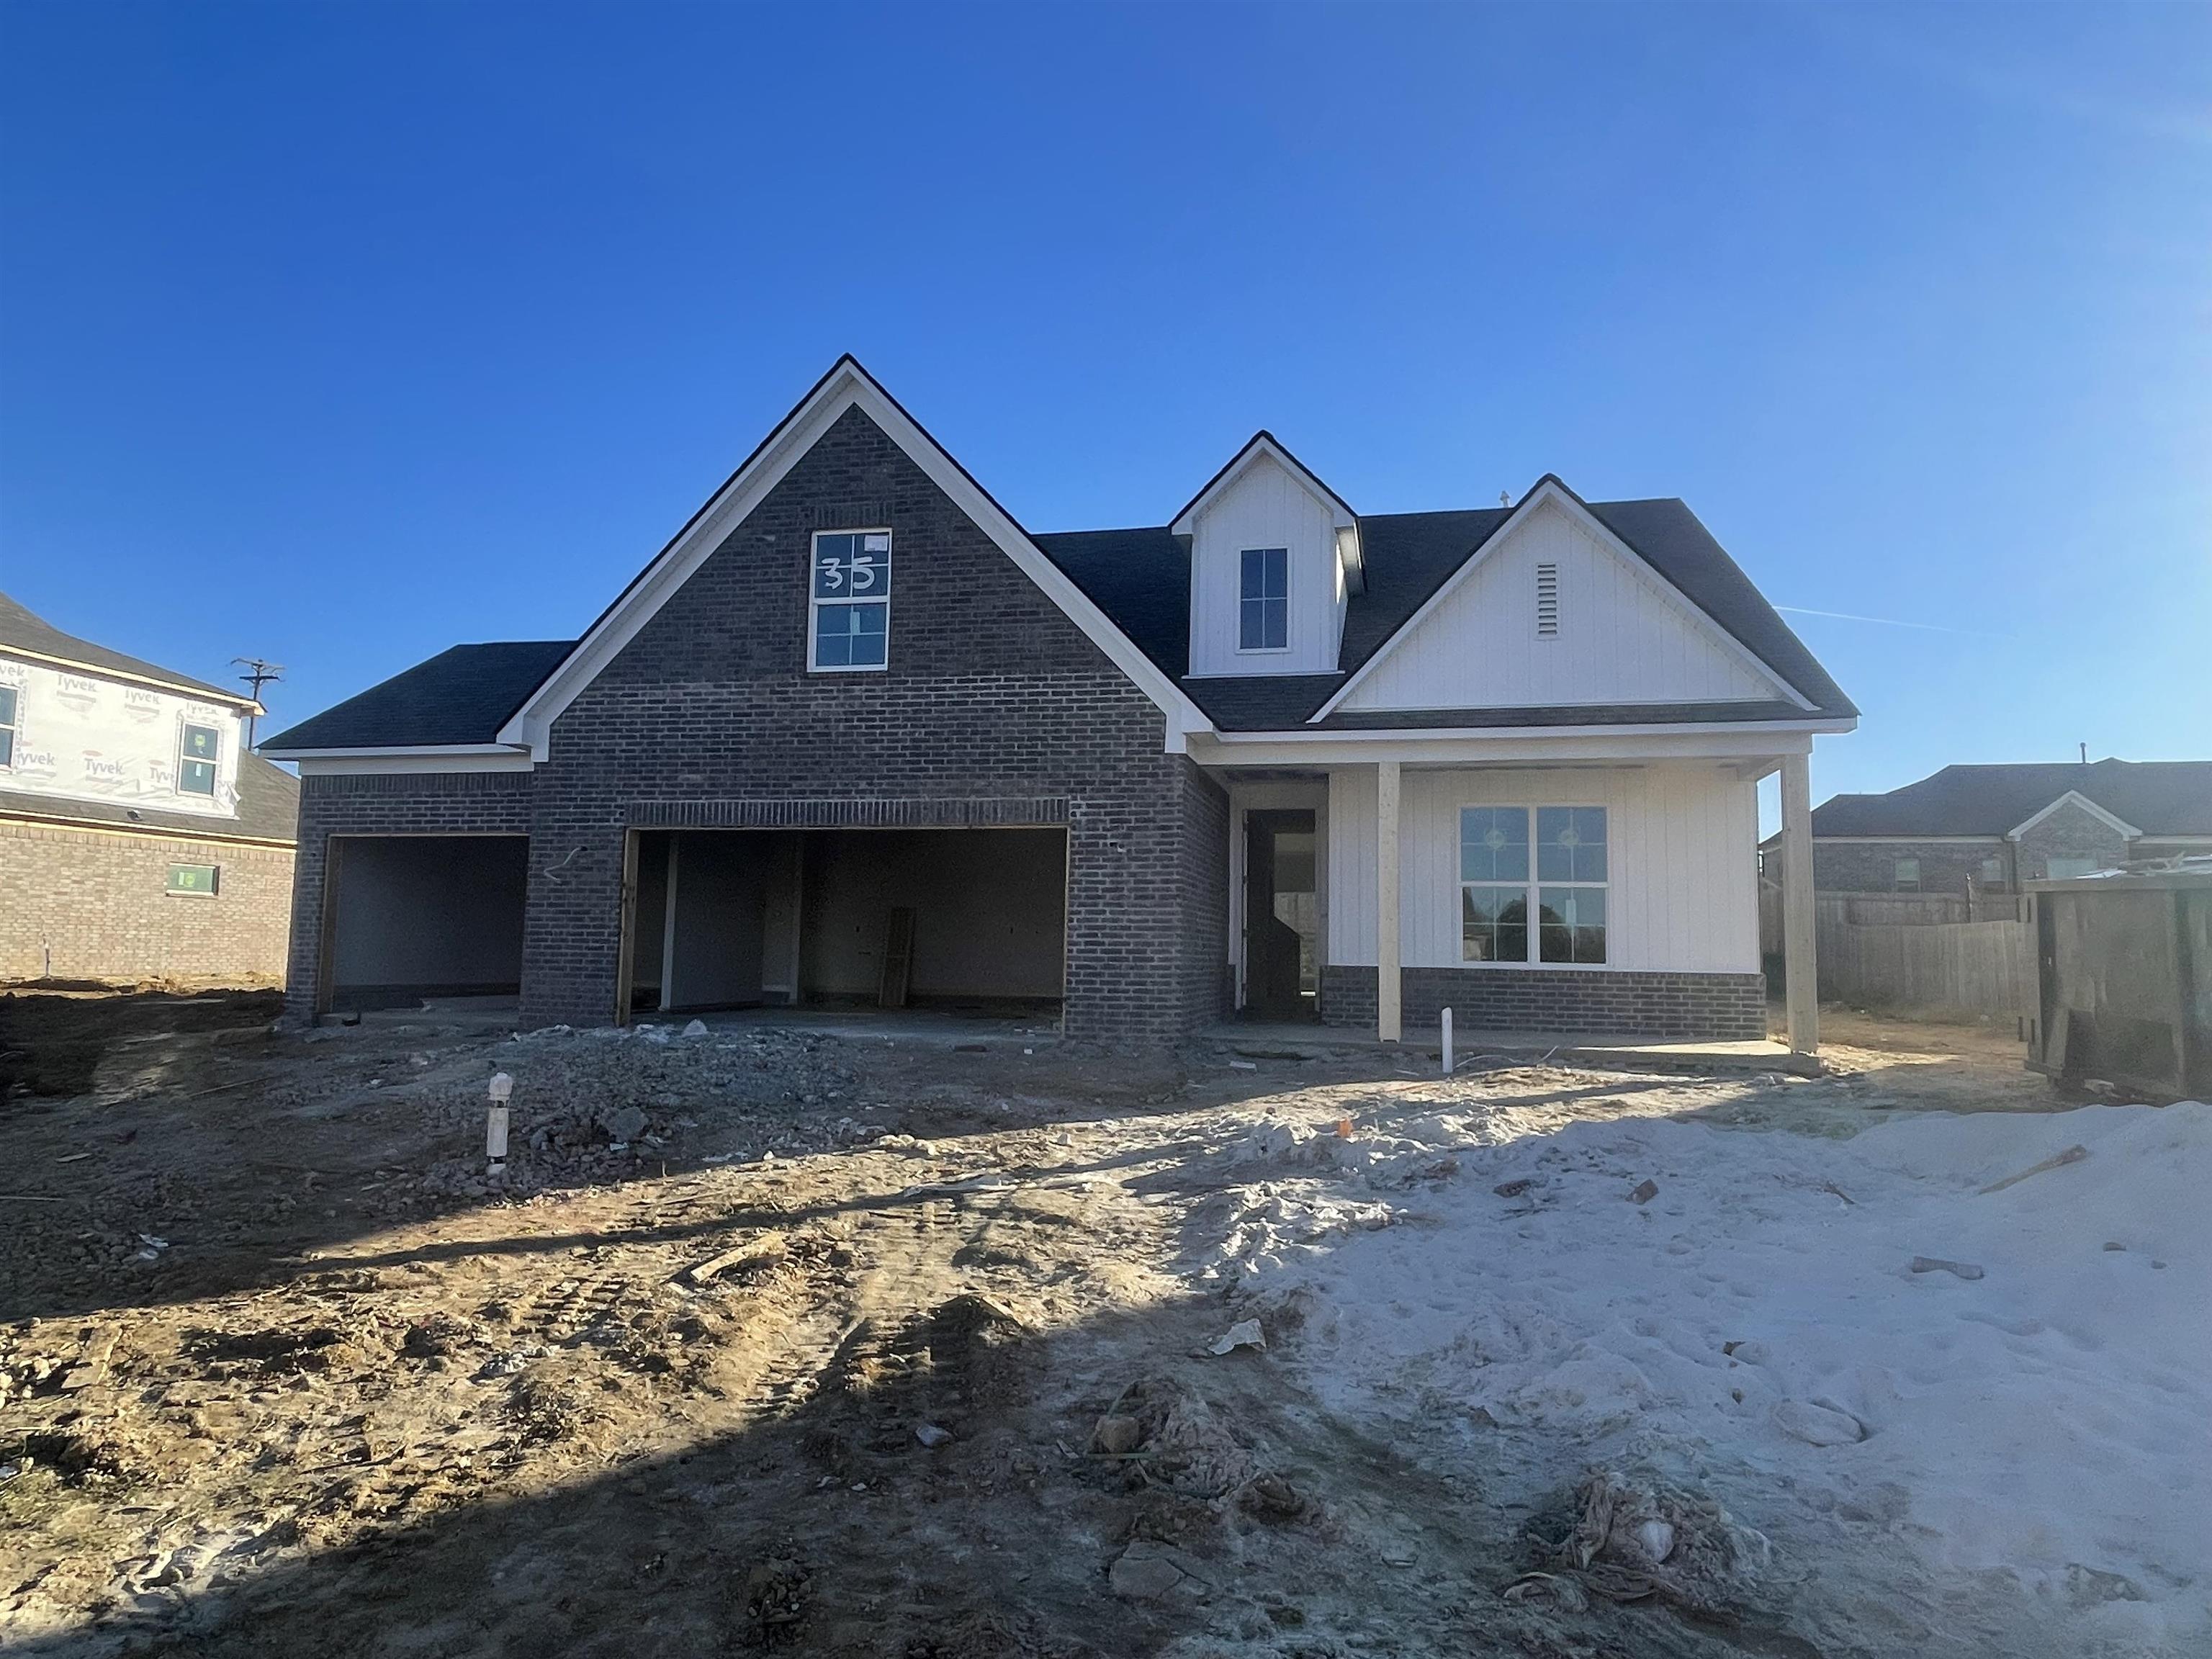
1274	558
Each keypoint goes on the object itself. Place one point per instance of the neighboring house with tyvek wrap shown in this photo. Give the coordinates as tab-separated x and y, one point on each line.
138	839
855	734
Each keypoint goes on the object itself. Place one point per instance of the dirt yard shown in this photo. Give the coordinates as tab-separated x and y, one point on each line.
842	1347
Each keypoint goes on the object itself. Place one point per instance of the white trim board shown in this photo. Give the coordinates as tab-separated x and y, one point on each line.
847	385
1519	746
1549	491
100	671
2126	830
1262	445
458	757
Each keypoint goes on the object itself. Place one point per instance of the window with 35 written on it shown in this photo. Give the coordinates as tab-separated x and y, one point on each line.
850	617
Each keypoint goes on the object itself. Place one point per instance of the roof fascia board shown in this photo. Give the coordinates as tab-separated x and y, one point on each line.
1550	489
1583	745
2110	820
471	757
101	671
1262	445
847	385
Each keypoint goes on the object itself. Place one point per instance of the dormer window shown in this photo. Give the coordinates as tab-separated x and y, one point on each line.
849	615
1263	620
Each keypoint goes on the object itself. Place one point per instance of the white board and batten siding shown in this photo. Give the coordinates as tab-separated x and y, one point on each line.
1682	852
1623	637
1266	507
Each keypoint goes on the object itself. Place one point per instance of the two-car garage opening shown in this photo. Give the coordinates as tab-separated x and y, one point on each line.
967	919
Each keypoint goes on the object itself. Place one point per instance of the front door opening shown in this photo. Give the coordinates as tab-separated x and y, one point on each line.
969	921
1282	969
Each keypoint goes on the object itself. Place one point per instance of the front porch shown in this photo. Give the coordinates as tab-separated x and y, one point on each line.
1579	902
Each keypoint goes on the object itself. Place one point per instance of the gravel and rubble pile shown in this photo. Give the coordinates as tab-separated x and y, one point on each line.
593	1105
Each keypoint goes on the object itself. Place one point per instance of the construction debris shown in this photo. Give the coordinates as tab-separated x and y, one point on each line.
1244	1333
2071	1155
1936	1264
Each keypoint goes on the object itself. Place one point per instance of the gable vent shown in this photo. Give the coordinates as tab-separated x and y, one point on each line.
1547	601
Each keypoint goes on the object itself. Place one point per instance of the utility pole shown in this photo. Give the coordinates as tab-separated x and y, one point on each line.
257	674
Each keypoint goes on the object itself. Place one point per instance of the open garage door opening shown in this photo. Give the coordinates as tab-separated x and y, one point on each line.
410	917
966	921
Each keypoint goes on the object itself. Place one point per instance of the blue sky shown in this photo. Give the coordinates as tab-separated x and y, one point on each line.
338	334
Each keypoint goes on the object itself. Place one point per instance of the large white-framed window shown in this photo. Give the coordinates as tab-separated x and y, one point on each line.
198	751
848	617
1263	599
11	709
1548	863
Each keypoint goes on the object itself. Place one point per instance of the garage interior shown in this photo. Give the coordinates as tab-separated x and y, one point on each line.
959	920
408	917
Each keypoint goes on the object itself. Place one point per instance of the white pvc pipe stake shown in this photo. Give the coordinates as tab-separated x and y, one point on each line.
502	1086
1448	1054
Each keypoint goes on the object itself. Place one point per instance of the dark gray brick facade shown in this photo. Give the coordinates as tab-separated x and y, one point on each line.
995	709
474	803
1683	1008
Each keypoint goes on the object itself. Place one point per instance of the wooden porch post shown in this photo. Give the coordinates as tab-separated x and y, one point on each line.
1798	969
1386	901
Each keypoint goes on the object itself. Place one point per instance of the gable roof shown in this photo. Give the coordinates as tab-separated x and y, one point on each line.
1128	589
1266	443
1141	578
268	809
24	631
2160	797
462	696
848	386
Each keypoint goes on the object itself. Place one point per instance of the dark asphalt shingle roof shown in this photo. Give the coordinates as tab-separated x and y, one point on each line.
268	808
2160	797
1140	578
25	630
461	696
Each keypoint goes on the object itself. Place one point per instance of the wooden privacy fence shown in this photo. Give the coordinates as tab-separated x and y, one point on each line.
1966	967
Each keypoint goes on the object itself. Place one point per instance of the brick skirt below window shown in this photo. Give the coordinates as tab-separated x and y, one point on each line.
1594	1002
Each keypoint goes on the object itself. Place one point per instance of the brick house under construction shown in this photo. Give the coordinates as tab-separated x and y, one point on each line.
1271	756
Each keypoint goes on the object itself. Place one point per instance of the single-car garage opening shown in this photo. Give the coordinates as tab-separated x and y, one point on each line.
974	920
408	917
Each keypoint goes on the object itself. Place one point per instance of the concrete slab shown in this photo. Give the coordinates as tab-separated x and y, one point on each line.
1262	1041
931	1028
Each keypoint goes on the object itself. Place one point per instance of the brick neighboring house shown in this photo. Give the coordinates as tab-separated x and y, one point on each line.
1970	830
855	735
138	839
